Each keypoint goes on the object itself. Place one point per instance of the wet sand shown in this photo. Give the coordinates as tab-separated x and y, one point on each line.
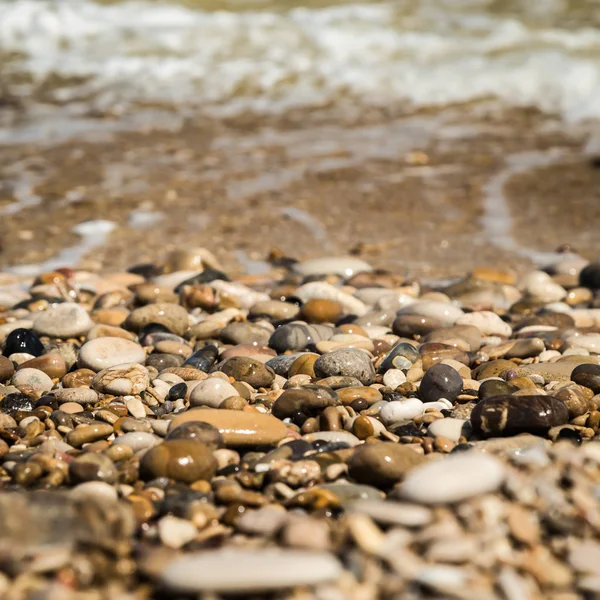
431	194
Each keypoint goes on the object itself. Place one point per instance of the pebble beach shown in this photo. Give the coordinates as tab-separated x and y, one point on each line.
322	430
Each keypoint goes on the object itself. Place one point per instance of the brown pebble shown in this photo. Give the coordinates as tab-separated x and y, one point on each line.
78	378
88	433
182	460
321	311
303	365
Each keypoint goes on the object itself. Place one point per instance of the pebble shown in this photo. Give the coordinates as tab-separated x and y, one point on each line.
175	532
105	352
238	428
22	340
248	570
394	513
349	362
139	440
320	290
65	320
172	316
250	371
587	375
452	429
382	464
453	479
88	433
182	460
440	381
444	313
80	395
401	410
488	323
122	380
91	490
211	392
33	379
511	415
346	266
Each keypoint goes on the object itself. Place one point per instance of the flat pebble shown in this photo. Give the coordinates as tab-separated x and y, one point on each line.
349	362
122	380
211	392
106	352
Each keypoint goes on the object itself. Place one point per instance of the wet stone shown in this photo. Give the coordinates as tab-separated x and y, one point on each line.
89	433
63	321
92	466
198	431
22	340
401	356
511	415
248	370
163	361
172	316
6	369
309	400
245	333
211	392
382	464
12	403
440	381
203	359
348	362
588	376
297	336
182	460
122	380
495	387
106	352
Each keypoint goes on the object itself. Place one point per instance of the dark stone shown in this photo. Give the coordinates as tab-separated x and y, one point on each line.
309	400
92	466
413	325
440	381
146	270
205	276
282	364
23	340
151	328
324	446
248	370
177	392
62	419
511	415
298	336
16	402
198	432
164	361
401	356
571	435
589	276
551	319
495	387
203	359
587	375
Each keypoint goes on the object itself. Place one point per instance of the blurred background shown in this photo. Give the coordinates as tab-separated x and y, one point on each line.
426	136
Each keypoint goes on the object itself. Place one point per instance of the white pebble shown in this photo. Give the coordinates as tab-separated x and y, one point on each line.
400	410
175	532
393	378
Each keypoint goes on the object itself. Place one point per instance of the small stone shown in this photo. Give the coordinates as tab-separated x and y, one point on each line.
446	314
511	415
172	316
245	333
400	410
393	378
238	428
297	336
198	431
91	490
321	311
32	379
92	466
182	460
587	376
487	322
136	408
80	395
346	266
89	433
394	513
23	340
175	532
6	369
453	479
452	429
251	371
382	464
106	352
309	400
211	392
440	381
53	364
348	362
63	321
249	570
122	380
138	440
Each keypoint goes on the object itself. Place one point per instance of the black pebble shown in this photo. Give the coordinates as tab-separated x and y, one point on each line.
23	340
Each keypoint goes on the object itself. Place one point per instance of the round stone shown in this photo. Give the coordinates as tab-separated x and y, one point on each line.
22	340
445	313
297	336
321	311
63	321
347	362
52	364
309	400
511	415
211	392
138	440
33	379
122	380
102	353
198	431
172	316
245	333
346	266
587	375
440	381
383	463
181	460
449	428
6	369
86	434
400	410
248	370
453	479
92	466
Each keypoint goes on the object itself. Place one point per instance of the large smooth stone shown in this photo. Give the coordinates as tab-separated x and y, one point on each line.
238	428
102	353
63	321
511	415
211	392
248	571
453	479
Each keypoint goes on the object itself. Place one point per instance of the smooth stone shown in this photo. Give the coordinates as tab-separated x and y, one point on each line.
86	434
348	362
297	336
320	290
467	337
63	321
495	387
511	415
52	364
401	356
394	513
247	571
382	464
172	316
33	379
211	392
487	322
182	460
539	287
238	428
100	331
393	378
526	348
275	309
453	479
332	436
558	371
92	466
321	311
106	352
587	376
589	276
245	333
261	353
79	395
401	410
199	432
175	532
282	364
452	429
248	370
22	340
346	266
303	365
440	381
492	368
92	490
310	400
122	380
6	369
445	313
588	341
382	318
350	493
138	440
347	386
510	445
